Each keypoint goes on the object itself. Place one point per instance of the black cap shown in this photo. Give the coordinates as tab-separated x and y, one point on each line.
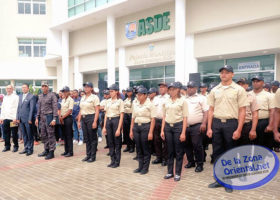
192	84
162	83
107	92
114	87
138	87
267	85
275	83
65	89
152	90
203	85
130	89
226	67
242	80
89	84
184	87
257	77
175	85
142	90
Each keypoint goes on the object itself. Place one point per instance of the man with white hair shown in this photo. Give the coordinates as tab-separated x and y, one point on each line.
8	118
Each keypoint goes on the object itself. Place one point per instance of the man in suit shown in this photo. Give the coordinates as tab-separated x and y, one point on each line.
26	106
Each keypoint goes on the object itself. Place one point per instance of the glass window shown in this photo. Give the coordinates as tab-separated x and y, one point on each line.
21	8
71	12
71	3
170	71
35	8
101	2
24	6
80	9
89	5
20	82
5	82
29	47
42	9
27	8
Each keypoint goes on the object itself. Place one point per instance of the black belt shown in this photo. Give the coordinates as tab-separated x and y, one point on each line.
89	115
175	124
225	120
189	126
158	120
141	124
112	118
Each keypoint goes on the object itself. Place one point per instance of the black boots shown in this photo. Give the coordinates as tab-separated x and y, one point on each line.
44	153
50	155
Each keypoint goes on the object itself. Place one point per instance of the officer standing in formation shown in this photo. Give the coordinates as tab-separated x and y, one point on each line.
47	114
142	126
106	95
197	121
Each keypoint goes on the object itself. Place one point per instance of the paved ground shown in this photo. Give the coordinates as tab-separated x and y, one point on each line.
31	177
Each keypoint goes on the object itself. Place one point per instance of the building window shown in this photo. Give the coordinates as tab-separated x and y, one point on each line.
32	47
35	84
246	67
38	7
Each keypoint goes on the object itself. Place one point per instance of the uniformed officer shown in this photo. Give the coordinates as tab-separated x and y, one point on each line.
160	144
225	127
88	116
266	112
152	93
274	86
113	124
106	95
174	124
251	119
142	126
277	116
184	91
66	120
203	89
197	121
267	87
47	114
127	121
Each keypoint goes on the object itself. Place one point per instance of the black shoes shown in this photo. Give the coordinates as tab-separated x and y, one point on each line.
157	161
135	158
115	165
6	149
126	149
63	154
131	150
228	190
168	176
15	149
50	155
177	178
144	171
190	165
199	168
91	160
215	185
164	163
44	153
106	147
111	164
68	155
29	153
85	159
138	170
23	152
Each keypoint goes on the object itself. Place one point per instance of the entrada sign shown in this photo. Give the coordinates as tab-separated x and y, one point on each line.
148	26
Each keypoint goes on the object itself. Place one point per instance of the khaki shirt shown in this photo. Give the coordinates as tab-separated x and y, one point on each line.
103	103
66	105
277	99
87	105
197	105
158	102
251	108
143	113
265	101
175	111
227	100
127	105
114	108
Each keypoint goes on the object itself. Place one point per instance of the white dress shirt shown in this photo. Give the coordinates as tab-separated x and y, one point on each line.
9	107
158	102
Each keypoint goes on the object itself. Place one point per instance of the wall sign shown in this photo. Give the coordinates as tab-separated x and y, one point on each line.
148	26
249	66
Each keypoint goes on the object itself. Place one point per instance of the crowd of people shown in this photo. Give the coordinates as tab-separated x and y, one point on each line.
168	122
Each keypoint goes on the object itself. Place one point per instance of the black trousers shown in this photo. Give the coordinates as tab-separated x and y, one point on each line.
244	138
159	144
90	135
126	130
264	139
175	147
222	136
67	129
114	143
8	131
194	144
140	134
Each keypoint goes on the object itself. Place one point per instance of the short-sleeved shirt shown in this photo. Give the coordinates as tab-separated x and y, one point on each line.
175	111
197	105
103	103
227	100
158	102
87	104
265	102
114	108
127	106
277	99
66	105
251	108
143	113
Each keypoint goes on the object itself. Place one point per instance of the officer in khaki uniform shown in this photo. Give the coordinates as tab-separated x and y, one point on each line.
203	89
106	95
226	115
66	119
113	124
266	111
197	121
88	120
142	126
174	124
276	116
47	114
251	119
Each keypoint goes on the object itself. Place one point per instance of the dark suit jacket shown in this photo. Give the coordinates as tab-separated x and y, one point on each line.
26	108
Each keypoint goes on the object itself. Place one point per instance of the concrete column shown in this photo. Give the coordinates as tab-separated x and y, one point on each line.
111	54
180	35
78	76
65	57
190	60
123	70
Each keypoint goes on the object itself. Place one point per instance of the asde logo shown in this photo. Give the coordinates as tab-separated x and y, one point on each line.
131	30
246	167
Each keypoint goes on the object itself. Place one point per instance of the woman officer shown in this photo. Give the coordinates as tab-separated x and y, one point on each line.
89	112
174	124
142	127
113	121
127	120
